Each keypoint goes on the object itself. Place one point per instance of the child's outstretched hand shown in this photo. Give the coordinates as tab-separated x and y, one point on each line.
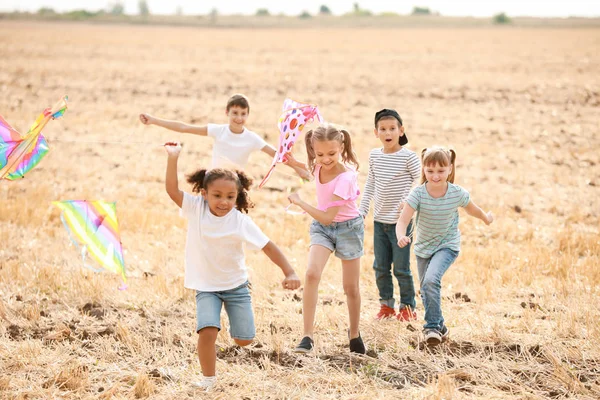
303	173
291	282
288	159
300	168
294	198
403	241
173	148
146	119
490	218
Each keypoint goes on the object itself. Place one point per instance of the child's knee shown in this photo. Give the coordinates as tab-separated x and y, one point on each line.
312	275
242	342
402	271
430	284
352	290
208	334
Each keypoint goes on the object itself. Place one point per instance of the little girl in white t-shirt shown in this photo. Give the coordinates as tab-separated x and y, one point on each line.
214	255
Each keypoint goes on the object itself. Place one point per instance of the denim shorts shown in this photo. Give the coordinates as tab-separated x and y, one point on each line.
344	238
238	306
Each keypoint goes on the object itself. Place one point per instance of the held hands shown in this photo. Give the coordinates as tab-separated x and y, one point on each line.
173	149
291	282
489	218
403	241
146	119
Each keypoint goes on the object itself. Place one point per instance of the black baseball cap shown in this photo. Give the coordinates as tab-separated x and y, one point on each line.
388	112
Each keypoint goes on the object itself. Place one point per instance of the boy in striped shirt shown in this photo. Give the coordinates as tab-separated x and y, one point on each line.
392	171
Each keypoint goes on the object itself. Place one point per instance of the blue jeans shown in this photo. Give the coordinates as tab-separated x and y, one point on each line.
386	253
238	306
431	271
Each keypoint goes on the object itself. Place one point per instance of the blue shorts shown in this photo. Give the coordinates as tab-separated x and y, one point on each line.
344	238
238	306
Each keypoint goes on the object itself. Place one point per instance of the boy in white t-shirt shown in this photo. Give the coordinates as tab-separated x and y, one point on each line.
233	142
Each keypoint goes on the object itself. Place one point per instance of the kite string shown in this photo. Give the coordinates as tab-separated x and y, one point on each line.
99	141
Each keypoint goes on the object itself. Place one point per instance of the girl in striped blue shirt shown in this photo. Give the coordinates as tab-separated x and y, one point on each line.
437	243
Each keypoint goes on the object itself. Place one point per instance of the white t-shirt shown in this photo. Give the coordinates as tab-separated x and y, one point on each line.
214	254
233	148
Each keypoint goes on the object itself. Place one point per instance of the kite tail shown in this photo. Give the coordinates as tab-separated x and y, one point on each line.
266	178
82	249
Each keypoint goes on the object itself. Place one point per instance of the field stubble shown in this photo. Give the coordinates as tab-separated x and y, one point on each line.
521	108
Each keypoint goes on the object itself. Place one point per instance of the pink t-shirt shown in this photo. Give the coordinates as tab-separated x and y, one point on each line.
345	185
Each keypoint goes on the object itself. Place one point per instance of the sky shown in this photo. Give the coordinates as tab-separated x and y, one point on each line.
476	8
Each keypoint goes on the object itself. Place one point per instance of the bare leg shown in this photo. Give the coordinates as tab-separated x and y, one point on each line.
317	258
351	274
207	354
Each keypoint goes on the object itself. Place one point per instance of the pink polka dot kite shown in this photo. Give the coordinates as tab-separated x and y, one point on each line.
291	123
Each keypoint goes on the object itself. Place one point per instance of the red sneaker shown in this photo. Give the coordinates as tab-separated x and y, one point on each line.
385	312
406	314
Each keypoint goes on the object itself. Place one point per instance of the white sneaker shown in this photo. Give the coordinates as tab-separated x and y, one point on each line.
206	383
433	337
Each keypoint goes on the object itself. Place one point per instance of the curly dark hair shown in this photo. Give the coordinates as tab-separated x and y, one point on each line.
202	179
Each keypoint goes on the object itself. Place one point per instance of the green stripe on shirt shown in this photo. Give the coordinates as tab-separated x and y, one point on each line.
437	219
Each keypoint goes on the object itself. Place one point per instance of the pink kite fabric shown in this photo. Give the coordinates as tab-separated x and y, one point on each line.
291	123
19	154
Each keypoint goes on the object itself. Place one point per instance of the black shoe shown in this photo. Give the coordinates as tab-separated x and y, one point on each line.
305	346
357	345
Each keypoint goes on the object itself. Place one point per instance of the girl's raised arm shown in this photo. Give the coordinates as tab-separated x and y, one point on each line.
171	180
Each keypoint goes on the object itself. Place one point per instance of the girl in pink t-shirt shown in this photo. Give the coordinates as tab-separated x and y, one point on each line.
337	226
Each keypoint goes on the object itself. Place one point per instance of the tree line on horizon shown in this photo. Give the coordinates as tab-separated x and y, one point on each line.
117	8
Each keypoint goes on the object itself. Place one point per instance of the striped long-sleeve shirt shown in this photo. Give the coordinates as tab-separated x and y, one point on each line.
389	181
437	219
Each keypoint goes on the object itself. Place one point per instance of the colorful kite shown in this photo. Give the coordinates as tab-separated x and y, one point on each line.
19	154
95	225
295	116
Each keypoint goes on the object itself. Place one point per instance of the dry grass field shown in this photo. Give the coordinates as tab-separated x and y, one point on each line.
520	106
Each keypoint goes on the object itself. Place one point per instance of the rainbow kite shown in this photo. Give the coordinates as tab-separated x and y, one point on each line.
19	154
295	116
95	225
